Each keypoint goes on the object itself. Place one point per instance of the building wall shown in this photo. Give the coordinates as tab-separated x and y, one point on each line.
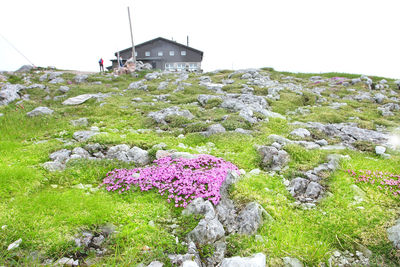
159	61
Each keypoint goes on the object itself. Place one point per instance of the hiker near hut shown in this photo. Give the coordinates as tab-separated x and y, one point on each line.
101	64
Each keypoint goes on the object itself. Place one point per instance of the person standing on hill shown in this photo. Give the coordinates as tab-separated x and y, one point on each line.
101	64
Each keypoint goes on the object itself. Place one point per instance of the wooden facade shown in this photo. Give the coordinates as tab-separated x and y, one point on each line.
164	54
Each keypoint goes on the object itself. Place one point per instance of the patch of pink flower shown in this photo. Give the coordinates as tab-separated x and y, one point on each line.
182	180
385	180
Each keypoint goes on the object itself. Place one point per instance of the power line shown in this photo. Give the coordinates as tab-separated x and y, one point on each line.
16	49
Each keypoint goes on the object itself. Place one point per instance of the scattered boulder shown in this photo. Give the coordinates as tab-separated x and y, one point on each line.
273	158
292	262
137	85
251	218
9	93
159	116
63	89
214	129
14	245
57	80
207	231
394	234
60	156
39	111
53	166
257	260
80	122
80	78
380	150
77	100
82	136
301	132
25	68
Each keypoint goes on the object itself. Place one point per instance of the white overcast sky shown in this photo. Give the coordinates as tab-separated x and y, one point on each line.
354	36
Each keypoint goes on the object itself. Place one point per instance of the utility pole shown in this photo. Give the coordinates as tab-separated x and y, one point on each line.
133	46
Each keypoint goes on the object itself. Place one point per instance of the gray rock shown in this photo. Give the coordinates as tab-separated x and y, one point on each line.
272	157
214	129
203	99
251	218
43	77
98	240
57	80
93	148
80	78
82	136
380	150
189	263
298	186
155	264
36	85
80	122
313	190
63	89
159	116
14	244
257	260
379	98
199	206
301	132
292	262
53	166
9	93
82	153
60	156
39	111
151	76
138	156
77	100
119	152
322	142
137	85
25	68
162	85
67	262
207	231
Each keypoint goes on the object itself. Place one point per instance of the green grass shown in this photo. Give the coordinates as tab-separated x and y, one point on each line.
46	211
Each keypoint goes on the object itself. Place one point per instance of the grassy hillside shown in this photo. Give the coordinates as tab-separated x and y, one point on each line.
47	209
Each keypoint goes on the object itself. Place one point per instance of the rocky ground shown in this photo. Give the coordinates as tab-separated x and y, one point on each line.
294	137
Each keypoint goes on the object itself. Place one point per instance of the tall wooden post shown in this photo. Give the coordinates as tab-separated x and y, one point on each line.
133	46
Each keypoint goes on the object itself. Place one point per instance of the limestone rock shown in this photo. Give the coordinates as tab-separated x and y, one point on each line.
82	136
80	78
207	231
138	156
257	260
53	166
60	155
251	218
159	116
292	262
9	93
77	100
40	111
301	132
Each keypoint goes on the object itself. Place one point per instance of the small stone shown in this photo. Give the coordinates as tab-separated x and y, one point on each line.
40	111
80	122
14	245
63	89
98	240
292	262
155	264
380	150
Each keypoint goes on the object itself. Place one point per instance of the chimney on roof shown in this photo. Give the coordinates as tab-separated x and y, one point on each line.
187	40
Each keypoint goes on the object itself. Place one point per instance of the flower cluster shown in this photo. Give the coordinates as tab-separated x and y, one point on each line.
384	180
182	180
